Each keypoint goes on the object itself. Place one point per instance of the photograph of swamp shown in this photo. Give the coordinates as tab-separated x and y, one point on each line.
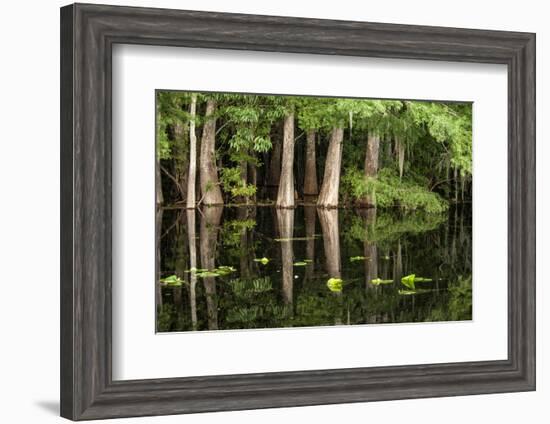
286	211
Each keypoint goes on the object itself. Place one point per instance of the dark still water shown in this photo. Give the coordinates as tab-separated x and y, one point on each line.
260	267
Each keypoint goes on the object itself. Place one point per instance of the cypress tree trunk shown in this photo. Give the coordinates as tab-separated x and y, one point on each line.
158	184
310	179
371	167
210	186
181	133
191	182
274	173
400	149
328	198
285	196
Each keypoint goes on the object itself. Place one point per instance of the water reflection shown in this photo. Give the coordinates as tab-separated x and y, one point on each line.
262	267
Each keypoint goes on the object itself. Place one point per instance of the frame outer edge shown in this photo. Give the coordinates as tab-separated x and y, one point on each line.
86	388
67	382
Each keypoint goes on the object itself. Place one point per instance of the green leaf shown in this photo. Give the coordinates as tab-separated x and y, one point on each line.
408	281
300	263
357	258
172	280
335	284
263	261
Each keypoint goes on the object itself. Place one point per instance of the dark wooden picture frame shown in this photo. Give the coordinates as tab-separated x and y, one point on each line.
88	33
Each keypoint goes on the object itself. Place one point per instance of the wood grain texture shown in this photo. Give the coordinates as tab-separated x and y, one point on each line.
87	35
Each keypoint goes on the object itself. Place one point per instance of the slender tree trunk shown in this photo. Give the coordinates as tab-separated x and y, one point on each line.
328	198
331	241
253	177
210	224
274	172
285	196
158	184
285	221
400	149
310	180
181	133
371	167
210	186
192	239
191	182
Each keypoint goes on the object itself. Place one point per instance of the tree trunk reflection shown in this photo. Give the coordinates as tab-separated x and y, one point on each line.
331	241
192	237
285	222
210	225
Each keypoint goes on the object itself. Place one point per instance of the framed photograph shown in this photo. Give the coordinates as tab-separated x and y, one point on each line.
263	211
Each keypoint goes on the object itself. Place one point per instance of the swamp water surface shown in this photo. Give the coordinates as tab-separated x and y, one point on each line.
249	267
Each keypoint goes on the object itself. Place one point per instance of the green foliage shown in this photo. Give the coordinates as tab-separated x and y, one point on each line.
233	229
390	191
233	183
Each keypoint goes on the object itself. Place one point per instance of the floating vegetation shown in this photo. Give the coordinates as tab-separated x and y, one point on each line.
335	284
300	263
378	281
172	280
220	271
410	292
263	261
357	258
296	238
411	280
309	261
247	287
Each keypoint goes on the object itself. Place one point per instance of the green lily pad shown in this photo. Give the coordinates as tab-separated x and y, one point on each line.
411	280
308	261
406	292
300	263
263	261
335	284
378	281
408	281
357	258
172	280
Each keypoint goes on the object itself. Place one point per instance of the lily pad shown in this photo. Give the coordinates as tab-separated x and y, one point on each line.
295	238
335	284
411	280
172	280
408	281
378	281
406	292
263	261
357	258
300	263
